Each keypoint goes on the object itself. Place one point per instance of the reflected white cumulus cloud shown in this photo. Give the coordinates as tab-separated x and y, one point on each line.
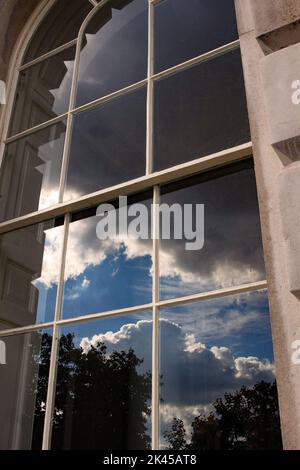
193	374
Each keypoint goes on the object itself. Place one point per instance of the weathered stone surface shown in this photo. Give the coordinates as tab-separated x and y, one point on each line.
289	187
270	15
269	166
281	79
13	16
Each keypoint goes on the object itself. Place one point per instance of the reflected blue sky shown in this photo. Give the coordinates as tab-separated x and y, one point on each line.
103	275
211	348
116	283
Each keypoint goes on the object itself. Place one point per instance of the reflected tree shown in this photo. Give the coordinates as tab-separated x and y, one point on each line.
102	400
245	420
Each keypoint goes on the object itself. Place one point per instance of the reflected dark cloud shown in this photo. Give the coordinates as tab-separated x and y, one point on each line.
183	31
60	26
108	145
200	111
232	252
115	53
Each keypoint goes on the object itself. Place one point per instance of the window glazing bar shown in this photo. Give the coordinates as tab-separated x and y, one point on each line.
49	54
177	172
111	313
50	402
197	60
155	321
134	186
19	330
104	99
203	296
215	294
35	129
72	101
150	92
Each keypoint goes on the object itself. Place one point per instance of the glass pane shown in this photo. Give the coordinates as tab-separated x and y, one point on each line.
103	275
60	26
103	395
114	54
232	253
29	269
108	145
31	172
218	376
183	30
200	111
43	91
23	392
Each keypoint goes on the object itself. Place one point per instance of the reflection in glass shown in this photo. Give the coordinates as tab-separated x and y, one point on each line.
104	275
60	26
103	394
108	145
30	175
200	111
24	382
183	30
232	253
218	376
29	268
43	91
114	54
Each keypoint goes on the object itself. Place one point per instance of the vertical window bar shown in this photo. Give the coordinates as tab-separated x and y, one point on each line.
55	345
150	85
155	325
67	148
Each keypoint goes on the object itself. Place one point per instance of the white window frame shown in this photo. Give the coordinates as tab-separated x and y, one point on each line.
151	180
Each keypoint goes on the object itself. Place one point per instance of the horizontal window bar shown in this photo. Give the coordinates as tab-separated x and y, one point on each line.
111	313
140	184
197	60
165	73
115	94
25	329
49	54
253	286
201	297
35	129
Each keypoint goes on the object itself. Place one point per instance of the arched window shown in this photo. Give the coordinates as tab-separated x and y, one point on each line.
142	99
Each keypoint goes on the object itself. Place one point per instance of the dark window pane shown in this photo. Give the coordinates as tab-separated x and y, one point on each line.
185	29
43	91
200	111
30	172
232	253
114	54
60	26
103	275
103	394
108	146
23	394
29	269
218	376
